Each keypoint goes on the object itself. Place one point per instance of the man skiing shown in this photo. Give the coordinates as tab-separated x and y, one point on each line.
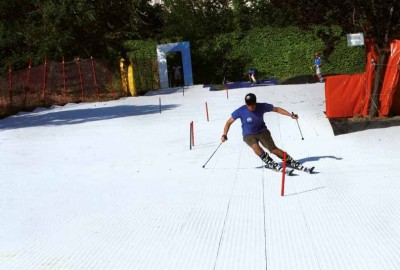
255	131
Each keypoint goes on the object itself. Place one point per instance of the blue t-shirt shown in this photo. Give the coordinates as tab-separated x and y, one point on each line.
317	61
252	122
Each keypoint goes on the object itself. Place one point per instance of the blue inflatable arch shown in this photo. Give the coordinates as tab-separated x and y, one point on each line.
184	48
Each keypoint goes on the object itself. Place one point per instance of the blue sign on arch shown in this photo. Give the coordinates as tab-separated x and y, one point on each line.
184	48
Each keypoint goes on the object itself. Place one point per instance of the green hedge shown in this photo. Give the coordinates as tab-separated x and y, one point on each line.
281	53
276	53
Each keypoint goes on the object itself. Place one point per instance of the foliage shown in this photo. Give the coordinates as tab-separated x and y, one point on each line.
194	19
143	48
72	28
259	33
275	52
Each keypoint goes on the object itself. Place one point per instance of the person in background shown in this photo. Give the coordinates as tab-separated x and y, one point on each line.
224	71
317	67
252	75
177	76
255	131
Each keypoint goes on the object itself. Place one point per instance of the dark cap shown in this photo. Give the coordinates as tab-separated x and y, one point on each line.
250	99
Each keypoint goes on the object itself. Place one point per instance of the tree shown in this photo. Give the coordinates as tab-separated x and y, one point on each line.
195	19
72	28
13	21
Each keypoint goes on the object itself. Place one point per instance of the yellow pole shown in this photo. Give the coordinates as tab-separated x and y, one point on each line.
131	81
123	76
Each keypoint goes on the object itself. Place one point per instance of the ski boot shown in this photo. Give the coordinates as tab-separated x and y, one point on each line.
270	163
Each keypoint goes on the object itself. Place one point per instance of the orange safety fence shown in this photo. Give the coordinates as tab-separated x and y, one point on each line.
372	58
391	79
55	83
350	95
344	95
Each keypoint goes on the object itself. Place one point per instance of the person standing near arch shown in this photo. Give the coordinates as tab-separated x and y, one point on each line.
177	76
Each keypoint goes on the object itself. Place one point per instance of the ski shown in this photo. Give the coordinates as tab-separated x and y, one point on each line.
303	168
278	168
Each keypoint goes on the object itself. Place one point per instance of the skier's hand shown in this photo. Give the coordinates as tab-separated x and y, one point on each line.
294	116
224	138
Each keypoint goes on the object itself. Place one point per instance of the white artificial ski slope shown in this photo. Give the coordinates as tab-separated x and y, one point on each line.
114	185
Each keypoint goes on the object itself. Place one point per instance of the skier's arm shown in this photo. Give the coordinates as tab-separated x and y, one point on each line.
284	112
228	124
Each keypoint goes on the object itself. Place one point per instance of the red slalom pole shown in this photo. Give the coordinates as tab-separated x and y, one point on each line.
207	112
283	174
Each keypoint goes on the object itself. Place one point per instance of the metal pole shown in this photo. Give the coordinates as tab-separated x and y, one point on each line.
212	155
299	128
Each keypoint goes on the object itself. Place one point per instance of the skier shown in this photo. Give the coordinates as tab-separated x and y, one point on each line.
252	75
255	131
317	67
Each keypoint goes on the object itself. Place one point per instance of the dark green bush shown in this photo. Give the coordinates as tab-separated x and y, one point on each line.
281	53
276	52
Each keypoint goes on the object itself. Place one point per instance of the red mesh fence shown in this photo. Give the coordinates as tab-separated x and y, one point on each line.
55	83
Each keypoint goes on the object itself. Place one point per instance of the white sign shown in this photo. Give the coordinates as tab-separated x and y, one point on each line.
356	39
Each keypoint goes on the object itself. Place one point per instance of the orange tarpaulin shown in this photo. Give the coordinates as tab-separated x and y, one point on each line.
349	95
344	94
391	79
372	59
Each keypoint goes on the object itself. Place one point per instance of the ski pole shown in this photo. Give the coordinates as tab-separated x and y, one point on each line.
212	155
299	128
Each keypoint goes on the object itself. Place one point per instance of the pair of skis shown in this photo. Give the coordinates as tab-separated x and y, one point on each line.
290	169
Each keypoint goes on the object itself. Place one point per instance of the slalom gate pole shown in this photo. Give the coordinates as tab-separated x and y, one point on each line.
299	128
192	134
226	89
191	139
207	112
211	155
283	174
159	103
